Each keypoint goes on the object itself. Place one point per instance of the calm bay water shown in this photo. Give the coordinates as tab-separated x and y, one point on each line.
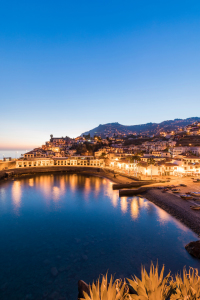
11	153
79	226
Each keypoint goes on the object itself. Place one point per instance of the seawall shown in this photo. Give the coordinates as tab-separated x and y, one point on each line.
7	164
20	172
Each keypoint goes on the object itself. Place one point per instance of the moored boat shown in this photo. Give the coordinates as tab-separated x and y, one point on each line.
196	194
195	207
186	197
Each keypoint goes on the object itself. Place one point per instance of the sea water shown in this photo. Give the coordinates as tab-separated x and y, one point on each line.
57	229
11	153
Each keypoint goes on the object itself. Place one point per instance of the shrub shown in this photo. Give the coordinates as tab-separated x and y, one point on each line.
105	291
188	287
152	286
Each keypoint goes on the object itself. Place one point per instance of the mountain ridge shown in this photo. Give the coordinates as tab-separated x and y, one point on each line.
150	128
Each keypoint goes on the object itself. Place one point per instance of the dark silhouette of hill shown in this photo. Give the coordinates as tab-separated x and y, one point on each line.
104	130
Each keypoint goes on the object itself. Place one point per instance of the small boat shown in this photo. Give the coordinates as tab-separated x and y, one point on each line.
186	197
170	186
177	191
195	207
196	194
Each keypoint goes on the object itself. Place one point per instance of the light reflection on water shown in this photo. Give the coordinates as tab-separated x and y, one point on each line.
124	204
31	182
134	208
49	190
46	185
16	195
79	224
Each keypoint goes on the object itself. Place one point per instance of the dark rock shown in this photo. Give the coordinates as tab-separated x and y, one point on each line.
194	249
54	271
78	268
49	281
54	296
82	287
77	240
29	297
4	286
45	294
62	269
46	262
84	257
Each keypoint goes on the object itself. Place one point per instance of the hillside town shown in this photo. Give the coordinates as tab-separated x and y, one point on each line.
170	153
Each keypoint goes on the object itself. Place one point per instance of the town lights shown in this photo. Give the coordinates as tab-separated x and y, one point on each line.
180	169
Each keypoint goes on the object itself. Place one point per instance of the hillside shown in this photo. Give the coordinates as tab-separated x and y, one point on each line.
149	128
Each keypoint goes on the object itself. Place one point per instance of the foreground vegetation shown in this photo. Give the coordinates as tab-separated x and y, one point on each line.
151	286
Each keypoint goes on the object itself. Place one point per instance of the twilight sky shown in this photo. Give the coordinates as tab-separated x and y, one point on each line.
68	66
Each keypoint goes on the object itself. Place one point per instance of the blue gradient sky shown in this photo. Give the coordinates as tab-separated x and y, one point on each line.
68	66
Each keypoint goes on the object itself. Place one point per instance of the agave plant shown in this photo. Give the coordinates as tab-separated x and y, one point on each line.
152	286
188	288
104	291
